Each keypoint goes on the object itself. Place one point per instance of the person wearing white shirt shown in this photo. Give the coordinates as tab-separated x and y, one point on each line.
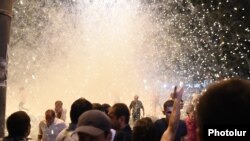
60	111
50	127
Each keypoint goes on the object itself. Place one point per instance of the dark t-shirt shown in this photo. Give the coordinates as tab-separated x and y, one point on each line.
124	134
136	106
161	125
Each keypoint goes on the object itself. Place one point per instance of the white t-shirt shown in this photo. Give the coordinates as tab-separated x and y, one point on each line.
50	133
63	116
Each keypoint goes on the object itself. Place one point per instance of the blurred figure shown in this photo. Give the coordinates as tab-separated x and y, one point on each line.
97	106
50	127
106	107
136	106
78	107
60	111
162	124
94	125
18	126
171	133
144	130
23	95
119	115
195	99
225	104
191	121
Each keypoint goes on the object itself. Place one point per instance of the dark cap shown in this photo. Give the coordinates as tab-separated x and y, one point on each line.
93	122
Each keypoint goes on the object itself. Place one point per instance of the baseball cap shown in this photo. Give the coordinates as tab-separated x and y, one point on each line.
93	122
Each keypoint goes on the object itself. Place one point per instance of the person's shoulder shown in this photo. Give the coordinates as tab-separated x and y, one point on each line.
183	127
61	135
42	123
132	103
59	122
160	121
121	135
140	102
182	122
64	135
64	110
128	128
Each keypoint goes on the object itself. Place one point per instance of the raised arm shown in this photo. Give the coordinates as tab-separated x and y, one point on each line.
170	133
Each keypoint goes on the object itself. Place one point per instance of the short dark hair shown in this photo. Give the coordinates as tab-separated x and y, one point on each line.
18	124
121	109
59	102
106	107
78	107
144	130
97	106
168	103
50	112
224	103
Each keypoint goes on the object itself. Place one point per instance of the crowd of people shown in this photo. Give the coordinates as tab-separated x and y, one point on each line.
223	103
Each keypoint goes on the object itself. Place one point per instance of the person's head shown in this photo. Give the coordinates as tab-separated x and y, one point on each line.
97	106
192	116
190	107
18	125
224	103
119	115
106	107
94	125
195	98
50	116
58	106
136	97
190	111
168	107
78	107
144	130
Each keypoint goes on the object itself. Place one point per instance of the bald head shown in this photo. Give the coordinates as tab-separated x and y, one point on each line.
136	97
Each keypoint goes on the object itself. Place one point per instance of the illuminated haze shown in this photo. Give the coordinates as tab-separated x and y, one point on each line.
109	50
101	51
